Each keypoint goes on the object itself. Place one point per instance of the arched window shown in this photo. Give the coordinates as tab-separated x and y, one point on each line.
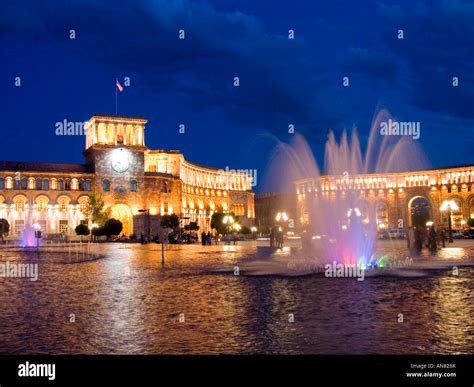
81	185
60	185
471	208
381	213
63	203
88	185
42	203
84	204
45	184
67	184
133	186
20	204
105	185
2	183
24	183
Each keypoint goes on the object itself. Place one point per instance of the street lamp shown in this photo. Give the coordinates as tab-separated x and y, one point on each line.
449	206
281	216
254	231
228	221
237	227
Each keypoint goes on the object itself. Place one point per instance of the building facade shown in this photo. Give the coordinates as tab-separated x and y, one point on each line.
138	184
395	200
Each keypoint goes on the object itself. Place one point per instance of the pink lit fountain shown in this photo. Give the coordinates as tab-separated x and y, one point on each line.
340	229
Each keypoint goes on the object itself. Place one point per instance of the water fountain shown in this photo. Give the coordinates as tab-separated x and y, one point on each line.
339	231
28	237
343	231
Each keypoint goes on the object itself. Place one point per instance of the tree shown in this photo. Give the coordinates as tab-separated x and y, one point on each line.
97	231
245	230
217	222
192	226
96	210
112	227
470	222
170	221
82	230
4	228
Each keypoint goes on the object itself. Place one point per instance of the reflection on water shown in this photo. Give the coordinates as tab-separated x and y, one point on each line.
128	303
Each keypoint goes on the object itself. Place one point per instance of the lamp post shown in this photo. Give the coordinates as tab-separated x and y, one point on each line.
280	218
449	206
228	221
254	230
148	226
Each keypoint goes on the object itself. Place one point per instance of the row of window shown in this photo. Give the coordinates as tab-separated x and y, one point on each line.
44	184
19	226
106	185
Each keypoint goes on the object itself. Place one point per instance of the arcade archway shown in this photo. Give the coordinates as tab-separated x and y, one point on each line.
419	211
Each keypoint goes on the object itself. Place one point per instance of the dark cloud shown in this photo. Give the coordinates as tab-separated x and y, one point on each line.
437	46
282	81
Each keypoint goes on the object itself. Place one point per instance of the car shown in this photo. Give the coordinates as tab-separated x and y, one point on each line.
468	234
397	233
457	234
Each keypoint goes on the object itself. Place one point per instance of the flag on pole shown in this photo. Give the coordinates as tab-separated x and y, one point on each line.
119	86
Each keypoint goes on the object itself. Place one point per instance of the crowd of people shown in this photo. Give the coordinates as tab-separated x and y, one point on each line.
276	237
417	237
206	239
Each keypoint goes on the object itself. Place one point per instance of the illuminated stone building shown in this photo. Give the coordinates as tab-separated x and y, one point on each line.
392	200
133	180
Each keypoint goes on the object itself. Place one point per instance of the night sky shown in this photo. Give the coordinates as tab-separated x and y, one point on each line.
282	81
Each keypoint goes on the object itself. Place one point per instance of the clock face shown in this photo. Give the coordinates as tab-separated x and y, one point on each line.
120	162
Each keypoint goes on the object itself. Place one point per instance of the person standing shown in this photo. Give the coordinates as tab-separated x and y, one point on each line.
418	239
433	245
442	237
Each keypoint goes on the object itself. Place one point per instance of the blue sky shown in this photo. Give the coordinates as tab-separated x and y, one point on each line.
282	81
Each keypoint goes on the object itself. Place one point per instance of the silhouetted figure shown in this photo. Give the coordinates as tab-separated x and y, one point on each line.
272	238
410	237
442	237
279	239
433	245
418	239
208	238
203	238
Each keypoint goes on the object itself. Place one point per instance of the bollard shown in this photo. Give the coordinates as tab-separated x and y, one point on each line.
162	253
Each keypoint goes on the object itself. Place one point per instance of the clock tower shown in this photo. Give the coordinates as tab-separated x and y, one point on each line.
115	152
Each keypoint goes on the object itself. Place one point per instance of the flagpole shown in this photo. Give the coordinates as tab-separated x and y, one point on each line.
115	97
